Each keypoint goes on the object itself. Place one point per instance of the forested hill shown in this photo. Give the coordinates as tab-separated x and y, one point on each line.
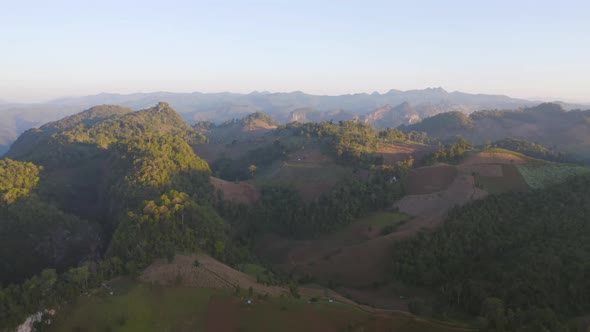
98	126
520	261
31	138
547	124
100	165
250	126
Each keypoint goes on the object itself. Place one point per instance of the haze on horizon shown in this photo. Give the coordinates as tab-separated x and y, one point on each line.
524	49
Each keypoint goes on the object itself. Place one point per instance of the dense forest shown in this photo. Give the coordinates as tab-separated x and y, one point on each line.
450	152
448	121
519	260
532	149
352	142
237	169
137	168
34	234
282	209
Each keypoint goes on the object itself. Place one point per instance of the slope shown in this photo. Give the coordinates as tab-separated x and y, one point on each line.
547	124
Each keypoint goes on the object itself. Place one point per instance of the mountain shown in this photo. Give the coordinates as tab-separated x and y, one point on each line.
250	126
388	116
447	122
311	115
201	104
90	171
285	107
87	157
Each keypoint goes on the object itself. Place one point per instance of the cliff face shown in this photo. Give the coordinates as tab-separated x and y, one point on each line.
391	117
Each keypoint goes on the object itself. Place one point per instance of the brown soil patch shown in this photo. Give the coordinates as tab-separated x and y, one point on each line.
482	169
378	297
222	315
210	274
461	191
493	158
310	155
357	265
360	265
427	180
394	153
241	192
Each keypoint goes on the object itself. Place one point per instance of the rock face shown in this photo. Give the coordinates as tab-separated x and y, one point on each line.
389	116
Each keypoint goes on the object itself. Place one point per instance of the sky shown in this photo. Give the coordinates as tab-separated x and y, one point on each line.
519	48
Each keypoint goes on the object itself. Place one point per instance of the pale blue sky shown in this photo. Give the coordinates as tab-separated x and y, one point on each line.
520	48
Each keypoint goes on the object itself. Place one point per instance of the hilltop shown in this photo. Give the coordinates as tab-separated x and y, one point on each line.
284	107
548	124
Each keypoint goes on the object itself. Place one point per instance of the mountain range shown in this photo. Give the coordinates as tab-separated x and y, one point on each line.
389	109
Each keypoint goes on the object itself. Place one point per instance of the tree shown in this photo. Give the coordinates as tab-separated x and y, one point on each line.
487	147
493	310
294	289
252	169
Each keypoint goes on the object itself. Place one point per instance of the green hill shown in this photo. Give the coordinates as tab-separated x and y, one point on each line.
548	124
517	260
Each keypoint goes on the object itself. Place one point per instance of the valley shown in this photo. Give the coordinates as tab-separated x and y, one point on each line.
175	227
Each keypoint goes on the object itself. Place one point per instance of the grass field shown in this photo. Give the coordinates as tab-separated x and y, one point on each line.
511	180
142	307
540	175
309	178
384	218
137	307
363	229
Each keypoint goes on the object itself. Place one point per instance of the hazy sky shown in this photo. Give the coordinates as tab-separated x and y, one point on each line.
520	48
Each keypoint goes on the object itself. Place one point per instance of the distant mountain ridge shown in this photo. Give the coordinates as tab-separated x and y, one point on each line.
284	107
359	103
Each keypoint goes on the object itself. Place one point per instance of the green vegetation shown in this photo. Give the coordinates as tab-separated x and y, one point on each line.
539	176
449	153
17	179
516	260
34	234
319	178
250	119
283	210
103	193
349	141
174	222
384	218
511	180
448	121
140	308
239	169
385	222
153	193
531	149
